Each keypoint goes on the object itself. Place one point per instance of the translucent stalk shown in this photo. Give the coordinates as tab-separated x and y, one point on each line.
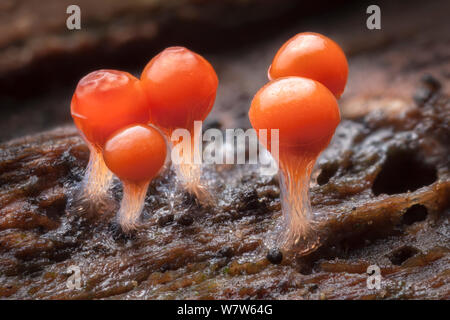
297	230
97	178
189	173
132	204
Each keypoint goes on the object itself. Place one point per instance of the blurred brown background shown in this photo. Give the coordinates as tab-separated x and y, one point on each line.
41	60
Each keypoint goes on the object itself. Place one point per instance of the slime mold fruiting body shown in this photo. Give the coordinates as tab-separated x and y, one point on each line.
306	114
314	56
105	101
135	154
181	88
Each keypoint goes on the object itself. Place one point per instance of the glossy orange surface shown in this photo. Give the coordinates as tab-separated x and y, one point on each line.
181	88
314	56
135	153
304	111
105	101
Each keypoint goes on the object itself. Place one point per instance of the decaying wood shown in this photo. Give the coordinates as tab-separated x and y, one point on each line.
218	252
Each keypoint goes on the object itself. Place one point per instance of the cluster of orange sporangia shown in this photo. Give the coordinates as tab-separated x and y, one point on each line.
124	121
307	75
